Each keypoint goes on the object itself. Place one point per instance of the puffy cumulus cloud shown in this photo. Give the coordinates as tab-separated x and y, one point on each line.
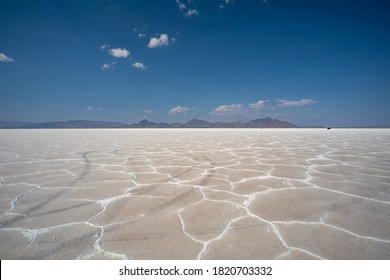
139	65
148	111
107	66
119	52
227	110
4	58
155	42
257	106
292	103
179	110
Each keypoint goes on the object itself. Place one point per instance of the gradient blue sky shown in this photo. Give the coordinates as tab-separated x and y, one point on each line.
308	62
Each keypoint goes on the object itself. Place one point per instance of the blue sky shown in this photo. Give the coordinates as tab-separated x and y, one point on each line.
307	62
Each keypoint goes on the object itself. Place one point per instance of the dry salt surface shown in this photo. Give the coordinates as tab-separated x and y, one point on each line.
195	194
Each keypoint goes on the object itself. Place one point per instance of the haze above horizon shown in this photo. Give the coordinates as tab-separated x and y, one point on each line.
306	62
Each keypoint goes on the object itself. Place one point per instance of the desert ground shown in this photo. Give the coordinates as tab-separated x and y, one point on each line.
195	194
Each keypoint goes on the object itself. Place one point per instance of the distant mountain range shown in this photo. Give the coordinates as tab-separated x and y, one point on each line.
195	123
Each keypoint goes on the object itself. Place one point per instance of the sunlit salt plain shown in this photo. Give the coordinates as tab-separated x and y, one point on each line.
195	194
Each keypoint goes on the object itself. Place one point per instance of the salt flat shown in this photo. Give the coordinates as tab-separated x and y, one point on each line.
195	194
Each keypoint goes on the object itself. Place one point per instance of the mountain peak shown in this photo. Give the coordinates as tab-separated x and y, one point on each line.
144	121
269	122
197	123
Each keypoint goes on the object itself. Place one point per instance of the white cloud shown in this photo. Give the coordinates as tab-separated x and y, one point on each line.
227	109
187	10
257	106
141	35
91	108
158	42
181	5
119	52
105	46
4	58
179	110
291	103
192	12
139	65
107	66
147	111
